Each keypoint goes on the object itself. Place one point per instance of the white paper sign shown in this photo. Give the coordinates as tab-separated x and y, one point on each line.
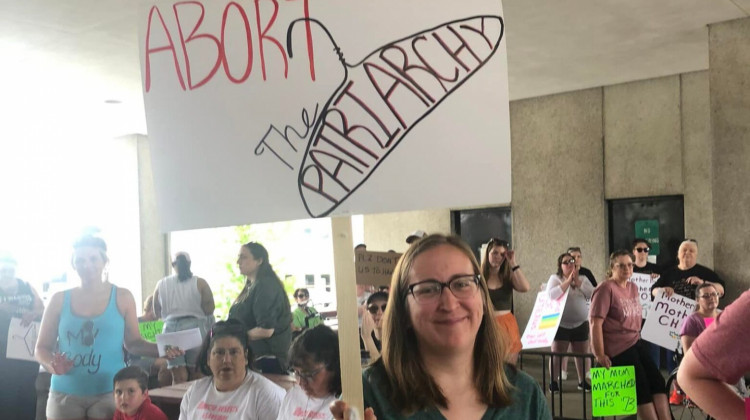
21	340
185	340
665	319
544	321
644	283
282	110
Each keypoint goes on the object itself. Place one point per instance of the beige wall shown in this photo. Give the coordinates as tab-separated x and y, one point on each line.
729	77
573	151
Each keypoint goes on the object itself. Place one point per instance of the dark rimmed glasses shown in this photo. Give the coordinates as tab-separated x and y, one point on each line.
710	295
373	308
301	296
306	376
639	249
463	286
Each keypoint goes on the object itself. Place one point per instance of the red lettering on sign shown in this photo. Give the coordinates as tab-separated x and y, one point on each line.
150	50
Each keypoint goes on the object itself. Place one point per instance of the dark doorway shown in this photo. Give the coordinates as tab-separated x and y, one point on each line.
660	220
477	226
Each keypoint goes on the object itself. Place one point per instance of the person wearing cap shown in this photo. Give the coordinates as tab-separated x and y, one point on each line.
184	301
414	236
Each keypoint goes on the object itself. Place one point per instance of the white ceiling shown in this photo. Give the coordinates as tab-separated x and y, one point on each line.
60	60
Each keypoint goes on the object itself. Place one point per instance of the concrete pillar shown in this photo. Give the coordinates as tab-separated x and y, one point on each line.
729	86
154	243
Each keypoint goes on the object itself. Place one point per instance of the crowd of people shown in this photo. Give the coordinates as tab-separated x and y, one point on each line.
432	352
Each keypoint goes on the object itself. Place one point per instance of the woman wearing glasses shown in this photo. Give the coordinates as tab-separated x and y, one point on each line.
615	336
442	352
304	315
503	276
314	358
574	325
263	306
372	323
230	389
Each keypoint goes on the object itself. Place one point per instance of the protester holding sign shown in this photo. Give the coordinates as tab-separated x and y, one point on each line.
442	354
574	325
503	276
683	278
184	301
615	335
719	356
263	306
641	249
17	299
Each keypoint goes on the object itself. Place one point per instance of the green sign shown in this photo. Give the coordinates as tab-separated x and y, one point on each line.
613	391
648	230
150	329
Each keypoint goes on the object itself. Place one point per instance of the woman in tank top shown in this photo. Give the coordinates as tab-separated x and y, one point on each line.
82	336
504	275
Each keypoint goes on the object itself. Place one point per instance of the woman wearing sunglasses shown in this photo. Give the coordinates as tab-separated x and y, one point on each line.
574	325
503	276
314	358
372	323
230	389
304	315
442	352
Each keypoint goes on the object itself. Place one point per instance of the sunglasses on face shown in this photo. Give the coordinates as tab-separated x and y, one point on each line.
639	249
568	262
373	309
301	296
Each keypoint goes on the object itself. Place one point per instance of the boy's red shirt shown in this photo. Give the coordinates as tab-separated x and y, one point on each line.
147	411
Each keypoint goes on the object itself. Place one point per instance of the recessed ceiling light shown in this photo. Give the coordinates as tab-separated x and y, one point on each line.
113	101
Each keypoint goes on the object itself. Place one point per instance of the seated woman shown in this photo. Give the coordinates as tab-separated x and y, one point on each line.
718	357
230	387
574	325
304	316
696	323
616	331
372	323
314	358
442	350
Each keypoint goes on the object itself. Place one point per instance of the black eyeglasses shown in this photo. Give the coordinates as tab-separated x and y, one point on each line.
639	249
301	295
373	309
306	376
463	286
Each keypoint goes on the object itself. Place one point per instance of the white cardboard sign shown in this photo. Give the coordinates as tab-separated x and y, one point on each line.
665	319
644	283
273	110
21	340
185	340
544	321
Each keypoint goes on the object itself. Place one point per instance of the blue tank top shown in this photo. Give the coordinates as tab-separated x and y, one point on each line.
94	345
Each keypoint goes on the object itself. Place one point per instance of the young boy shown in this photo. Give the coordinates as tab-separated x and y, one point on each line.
131	396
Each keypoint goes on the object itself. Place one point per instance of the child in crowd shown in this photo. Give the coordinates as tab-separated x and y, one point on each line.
131	396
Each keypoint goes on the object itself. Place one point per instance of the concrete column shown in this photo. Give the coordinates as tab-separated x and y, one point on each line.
154	243
729	86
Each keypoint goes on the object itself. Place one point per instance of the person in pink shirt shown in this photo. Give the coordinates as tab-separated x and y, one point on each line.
718	357
615	316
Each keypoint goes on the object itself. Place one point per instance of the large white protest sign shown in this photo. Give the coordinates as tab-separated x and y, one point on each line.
21	340
277	110
544	321
665	319
644	283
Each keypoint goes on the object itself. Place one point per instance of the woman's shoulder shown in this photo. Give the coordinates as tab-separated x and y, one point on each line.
263	385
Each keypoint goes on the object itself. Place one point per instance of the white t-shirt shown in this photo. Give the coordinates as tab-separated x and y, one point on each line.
256	399
298	406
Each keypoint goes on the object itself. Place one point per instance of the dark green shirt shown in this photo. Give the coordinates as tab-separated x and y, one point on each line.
267	306
528	400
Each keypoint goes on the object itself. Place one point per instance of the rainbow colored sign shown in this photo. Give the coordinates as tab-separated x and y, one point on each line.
544	321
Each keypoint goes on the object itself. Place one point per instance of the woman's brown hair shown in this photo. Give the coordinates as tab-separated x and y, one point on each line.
410	386
504	271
